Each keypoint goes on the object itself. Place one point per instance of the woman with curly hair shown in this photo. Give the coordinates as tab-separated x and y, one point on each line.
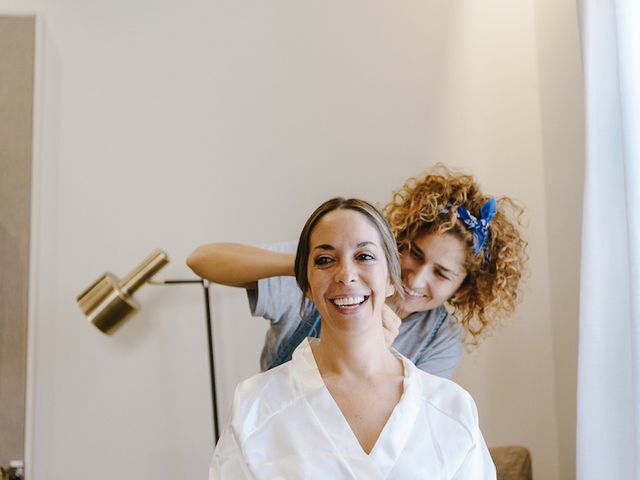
446	215
459	248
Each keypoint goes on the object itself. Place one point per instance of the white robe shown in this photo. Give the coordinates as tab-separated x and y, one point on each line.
286	425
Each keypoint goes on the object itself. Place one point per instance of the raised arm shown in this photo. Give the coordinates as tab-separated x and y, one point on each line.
239	265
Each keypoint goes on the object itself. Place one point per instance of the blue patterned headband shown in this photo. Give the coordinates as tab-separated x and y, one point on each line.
479	227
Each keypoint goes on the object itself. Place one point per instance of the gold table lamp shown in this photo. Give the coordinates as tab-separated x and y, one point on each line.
108	303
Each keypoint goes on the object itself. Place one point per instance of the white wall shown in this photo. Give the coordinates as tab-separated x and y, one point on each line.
171	125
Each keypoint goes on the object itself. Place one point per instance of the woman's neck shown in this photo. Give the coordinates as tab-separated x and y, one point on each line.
364	355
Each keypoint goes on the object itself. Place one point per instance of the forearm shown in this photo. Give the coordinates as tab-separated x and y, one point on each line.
239	265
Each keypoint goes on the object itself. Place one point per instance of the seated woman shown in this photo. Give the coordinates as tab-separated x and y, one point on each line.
458	247
347	406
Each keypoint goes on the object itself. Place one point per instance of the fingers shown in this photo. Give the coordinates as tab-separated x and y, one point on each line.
391	324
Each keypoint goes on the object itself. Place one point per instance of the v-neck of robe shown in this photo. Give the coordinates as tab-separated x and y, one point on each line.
395	433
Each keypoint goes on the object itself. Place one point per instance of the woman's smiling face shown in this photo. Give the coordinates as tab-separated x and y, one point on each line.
347	272
432	271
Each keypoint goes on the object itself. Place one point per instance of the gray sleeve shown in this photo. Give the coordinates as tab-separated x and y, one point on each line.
276	298
444	354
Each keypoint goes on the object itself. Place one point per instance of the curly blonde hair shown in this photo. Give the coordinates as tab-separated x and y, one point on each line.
429	204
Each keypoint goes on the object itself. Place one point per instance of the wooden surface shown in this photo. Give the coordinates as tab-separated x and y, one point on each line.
16	106
512	463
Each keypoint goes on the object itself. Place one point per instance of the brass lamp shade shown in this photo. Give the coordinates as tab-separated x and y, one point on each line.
108	302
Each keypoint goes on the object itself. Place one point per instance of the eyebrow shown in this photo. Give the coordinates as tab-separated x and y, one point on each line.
447	270
439	265
326	246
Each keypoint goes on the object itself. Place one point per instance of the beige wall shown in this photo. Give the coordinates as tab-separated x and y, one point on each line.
562	113
562	108
521	117
17	37
234	127
492	121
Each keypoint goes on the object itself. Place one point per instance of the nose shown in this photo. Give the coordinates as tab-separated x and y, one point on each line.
420	278
346	272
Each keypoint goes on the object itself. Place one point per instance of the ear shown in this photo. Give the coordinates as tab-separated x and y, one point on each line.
390	290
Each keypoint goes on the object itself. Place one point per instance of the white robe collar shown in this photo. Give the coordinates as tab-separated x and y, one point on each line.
307	380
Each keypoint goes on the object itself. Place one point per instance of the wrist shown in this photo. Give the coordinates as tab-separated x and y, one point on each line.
287	264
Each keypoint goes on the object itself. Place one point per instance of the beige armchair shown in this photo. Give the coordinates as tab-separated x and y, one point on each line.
512	463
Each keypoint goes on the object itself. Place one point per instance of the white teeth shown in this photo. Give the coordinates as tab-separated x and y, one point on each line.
413	293
347	301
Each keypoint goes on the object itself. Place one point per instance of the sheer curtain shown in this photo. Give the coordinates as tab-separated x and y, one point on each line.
608	422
